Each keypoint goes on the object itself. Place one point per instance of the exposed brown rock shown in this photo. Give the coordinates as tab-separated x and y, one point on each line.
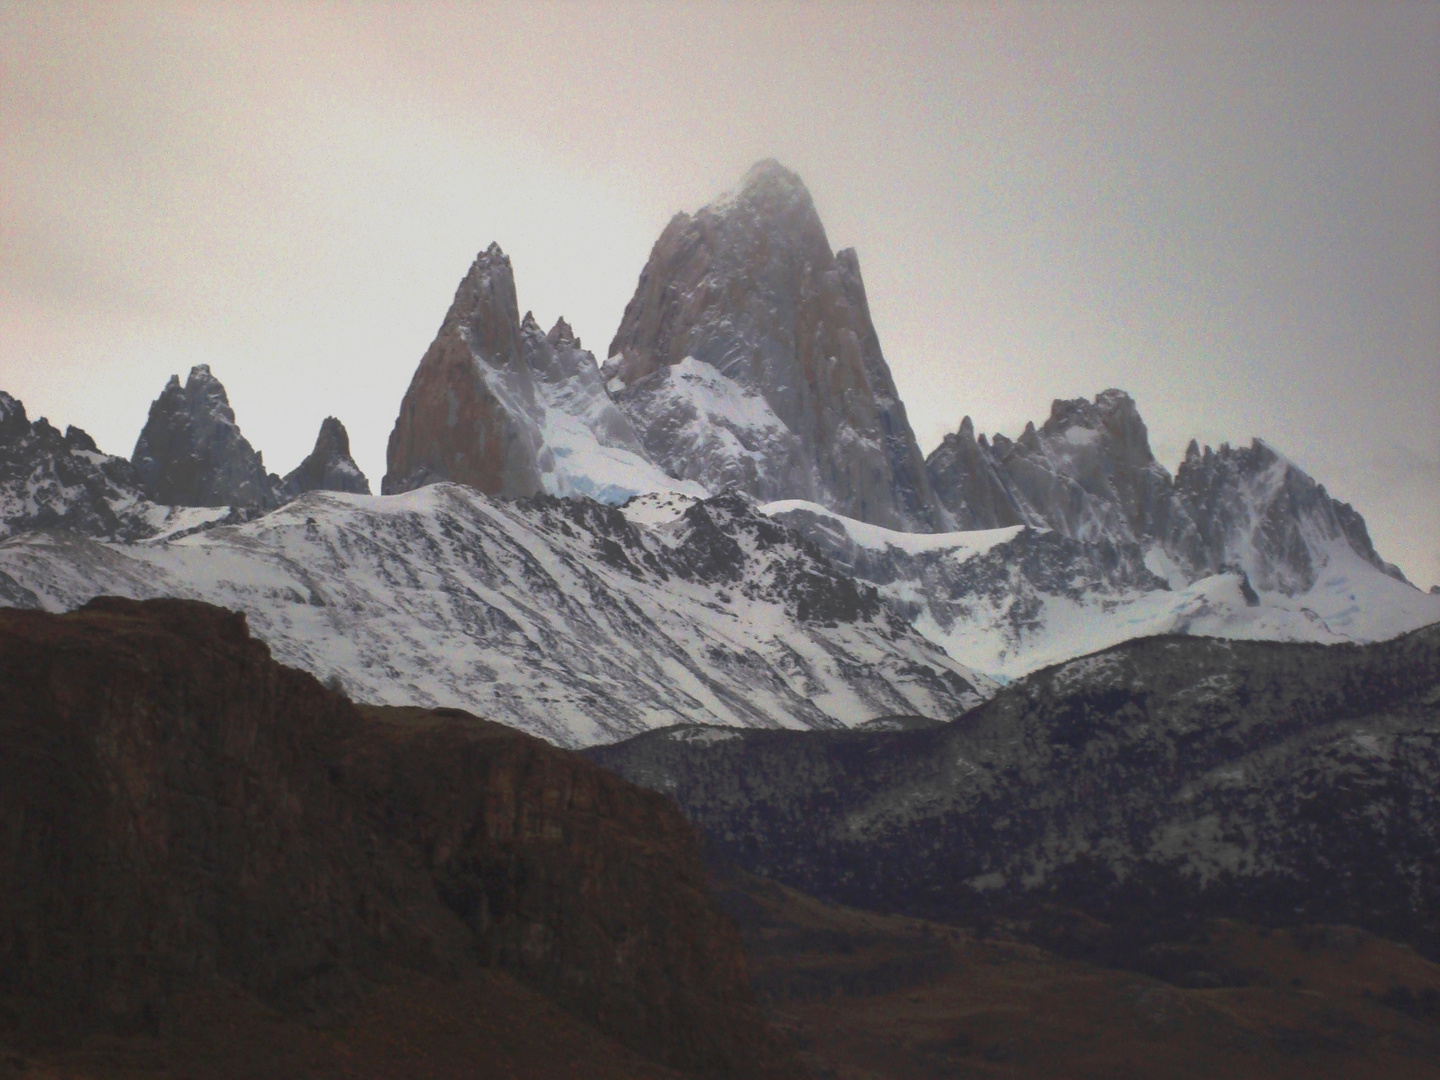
176	808
469	414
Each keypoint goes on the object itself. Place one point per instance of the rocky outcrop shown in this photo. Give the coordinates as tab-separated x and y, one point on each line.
1252	508
1161	781
470	414
329	467
1088	473
747	359
178	806
969	483
54	481
191	452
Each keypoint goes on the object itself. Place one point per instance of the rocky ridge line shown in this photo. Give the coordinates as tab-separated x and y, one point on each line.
1088	473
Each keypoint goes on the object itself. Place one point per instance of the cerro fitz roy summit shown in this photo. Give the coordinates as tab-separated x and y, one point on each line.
729	522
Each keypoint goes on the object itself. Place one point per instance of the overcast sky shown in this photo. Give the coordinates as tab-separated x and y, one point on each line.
1231	211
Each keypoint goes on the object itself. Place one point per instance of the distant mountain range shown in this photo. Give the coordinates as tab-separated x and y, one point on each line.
784	554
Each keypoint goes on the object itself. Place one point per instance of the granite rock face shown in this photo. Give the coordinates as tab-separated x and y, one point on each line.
54	481
1251	507
747	359
329	467
191	452
471	414
1088	474
185	807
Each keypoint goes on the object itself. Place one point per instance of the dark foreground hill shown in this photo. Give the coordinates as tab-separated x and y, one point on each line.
212	865
1111	804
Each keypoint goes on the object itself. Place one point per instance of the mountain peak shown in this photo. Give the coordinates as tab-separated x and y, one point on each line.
562	334
329	466
468	413
191	452
768	179
750	287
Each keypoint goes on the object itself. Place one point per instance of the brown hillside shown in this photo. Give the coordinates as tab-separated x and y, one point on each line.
201	849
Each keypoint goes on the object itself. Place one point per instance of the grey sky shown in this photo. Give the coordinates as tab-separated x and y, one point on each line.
1233	212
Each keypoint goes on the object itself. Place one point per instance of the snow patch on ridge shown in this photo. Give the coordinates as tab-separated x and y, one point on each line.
874	537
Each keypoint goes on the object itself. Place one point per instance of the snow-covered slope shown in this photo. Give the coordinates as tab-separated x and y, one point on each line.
708	429
561	617
1009	601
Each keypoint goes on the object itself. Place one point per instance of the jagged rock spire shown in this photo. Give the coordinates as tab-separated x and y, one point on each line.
1089	474
329	467
470	412
191	452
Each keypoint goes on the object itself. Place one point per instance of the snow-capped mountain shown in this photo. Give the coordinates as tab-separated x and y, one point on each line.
747	359
511	411
191	452
1010	600
570	619
1088	473
49	480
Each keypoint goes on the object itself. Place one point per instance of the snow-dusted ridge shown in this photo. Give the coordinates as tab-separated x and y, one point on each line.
560	617
1010	601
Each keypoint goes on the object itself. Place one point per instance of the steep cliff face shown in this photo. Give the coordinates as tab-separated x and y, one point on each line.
178	806
470	414
747	358
1088	473
191	452
329	467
